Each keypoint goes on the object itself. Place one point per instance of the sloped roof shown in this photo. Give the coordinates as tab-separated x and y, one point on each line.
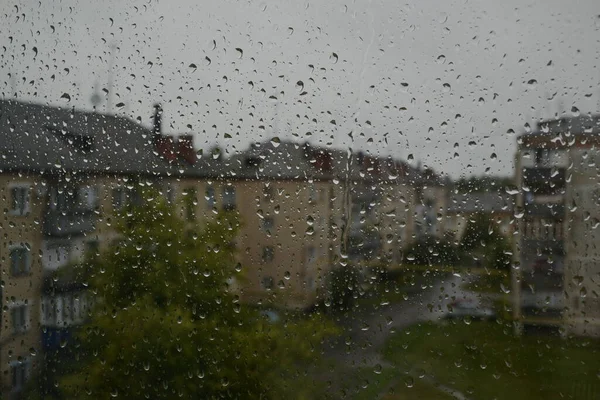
42	138
582	124
483	202
36	137
299	161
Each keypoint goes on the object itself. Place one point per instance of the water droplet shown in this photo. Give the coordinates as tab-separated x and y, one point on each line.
240	52
275	142
287	275
300	86
208	60
575	111
447	87
334	58
193	66
66	97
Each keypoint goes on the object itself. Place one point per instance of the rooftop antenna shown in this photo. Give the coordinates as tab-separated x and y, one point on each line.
276	120
111	65
95	99
561	107
13	85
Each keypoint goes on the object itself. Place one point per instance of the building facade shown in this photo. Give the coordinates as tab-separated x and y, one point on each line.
557	258
66	175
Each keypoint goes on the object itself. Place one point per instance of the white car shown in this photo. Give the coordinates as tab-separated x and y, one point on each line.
469	308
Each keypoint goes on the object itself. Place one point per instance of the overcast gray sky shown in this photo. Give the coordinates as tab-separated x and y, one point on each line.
443	81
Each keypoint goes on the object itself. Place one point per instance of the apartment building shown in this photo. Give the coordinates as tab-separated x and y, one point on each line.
306	209
555	282
65	174
463	207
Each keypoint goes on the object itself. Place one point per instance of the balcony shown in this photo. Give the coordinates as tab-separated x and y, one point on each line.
57	223
546	246
545	210
544	181
542	282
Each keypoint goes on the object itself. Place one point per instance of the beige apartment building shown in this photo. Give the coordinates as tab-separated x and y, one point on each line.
555	284
303	210
306	210
64	174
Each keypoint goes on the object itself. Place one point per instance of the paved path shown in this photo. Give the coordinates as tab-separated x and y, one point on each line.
365	332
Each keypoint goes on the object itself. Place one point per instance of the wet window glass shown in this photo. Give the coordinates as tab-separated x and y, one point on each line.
300	199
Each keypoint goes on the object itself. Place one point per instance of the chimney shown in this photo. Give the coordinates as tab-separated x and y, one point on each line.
157	129
165	146
186	149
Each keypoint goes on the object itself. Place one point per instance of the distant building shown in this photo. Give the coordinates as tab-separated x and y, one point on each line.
557	247
306	209
66	174
462	207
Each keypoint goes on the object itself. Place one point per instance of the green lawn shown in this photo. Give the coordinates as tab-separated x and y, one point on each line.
492	283
484	360
399	284
392	384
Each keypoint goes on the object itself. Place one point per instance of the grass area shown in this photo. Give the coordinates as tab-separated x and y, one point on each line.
370	383
492	283
484	360
400	386
397	284
410	389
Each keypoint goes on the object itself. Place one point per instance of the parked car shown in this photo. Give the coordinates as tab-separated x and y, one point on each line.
471	308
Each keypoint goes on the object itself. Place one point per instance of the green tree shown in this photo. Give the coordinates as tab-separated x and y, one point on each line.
483	237
431	251
167	325
480	231
342	287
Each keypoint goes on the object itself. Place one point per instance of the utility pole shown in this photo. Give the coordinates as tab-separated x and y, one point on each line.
111	64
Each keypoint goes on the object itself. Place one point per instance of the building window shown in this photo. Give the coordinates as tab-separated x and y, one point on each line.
311	255
20	260
210	197
229	198
169	193
268	192
268	254
88	197
92	249
267	224
313	194
19	318
267	283
118	198
48	311
191	200
20	200
19	371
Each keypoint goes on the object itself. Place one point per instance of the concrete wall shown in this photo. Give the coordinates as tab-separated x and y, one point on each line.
582	283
